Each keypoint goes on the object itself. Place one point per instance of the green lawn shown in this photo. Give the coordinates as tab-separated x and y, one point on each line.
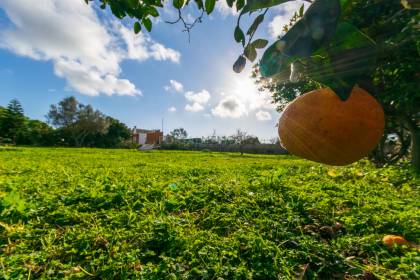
123	214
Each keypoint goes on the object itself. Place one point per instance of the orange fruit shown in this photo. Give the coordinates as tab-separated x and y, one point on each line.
319	126
390	240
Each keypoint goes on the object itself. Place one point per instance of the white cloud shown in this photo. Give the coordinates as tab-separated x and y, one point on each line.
197	99
201	97
230	107
223	8
175	86
141	47
195	107
285	13
240	97
160	52
84	50
91	81
263	116
172	109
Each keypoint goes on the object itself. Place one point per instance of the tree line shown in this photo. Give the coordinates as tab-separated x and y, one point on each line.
68	123
179	136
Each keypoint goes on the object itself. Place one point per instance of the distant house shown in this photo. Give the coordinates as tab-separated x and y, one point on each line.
149	137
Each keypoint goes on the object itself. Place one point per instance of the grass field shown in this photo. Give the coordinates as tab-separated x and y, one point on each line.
122	214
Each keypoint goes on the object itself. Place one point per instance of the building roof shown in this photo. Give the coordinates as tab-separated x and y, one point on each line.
139	130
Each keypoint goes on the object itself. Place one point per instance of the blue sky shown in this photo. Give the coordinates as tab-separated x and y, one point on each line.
57	48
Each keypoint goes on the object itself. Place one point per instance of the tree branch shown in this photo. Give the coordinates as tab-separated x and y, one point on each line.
187	26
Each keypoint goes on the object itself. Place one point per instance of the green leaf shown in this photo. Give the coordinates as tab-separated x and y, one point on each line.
230	3
137	27
240	4
411	4
301	10
199	4
322	20
178	4
153	11
253	5
133	3
275	59
147	23
239	35
255	24
260	43
239	65
308	35
116	9
250	53
210	6
348	57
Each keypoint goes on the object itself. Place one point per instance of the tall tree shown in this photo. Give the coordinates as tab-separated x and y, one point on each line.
179	133
77	120
116	134
65	113
12	120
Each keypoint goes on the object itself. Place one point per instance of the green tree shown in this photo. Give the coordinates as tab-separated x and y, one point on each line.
394	78
116	134
12	120
36	133
77	120
179	133
2	110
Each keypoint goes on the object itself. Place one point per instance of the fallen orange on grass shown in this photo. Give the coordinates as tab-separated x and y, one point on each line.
390	240
319	126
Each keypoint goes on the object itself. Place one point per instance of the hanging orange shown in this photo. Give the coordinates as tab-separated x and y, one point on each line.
320	127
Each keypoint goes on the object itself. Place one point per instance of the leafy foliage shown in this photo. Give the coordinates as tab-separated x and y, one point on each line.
121	214
306	36
36	133
390	74
179	133
78	120
12	120
348	56
116	135
76	125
